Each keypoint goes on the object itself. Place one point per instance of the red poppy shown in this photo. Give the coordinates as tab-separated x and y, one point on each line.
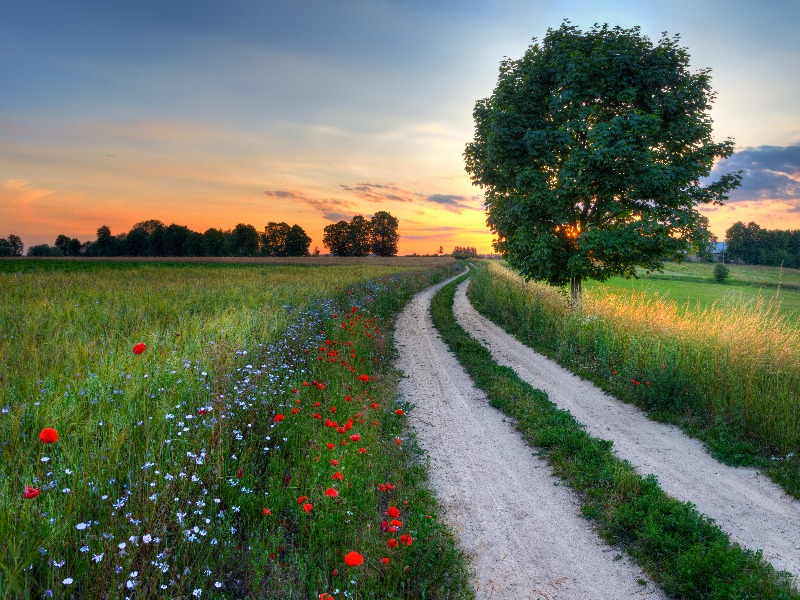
139	348
325	596
396	524
330	445
334	462
355	437
399	412
266	511
338	476
398	441
406	539
392	543
48	435
317	416
331	492
393	512
302	499
279	417
362	450
307	507
364	378
239	474
295	410
385	560
353	559
30	492
374	405
347	398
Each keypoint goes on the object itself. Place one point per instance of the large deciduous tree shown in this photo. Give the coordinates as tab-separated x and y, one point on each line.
383	231
592	153
297	241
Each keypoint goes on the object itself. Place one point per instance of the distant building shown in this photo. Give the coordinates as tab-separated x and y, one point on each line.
718	250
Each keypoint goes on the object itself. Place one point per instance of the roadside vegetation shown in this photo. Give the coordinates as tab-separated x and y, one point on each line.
683	551
214	431
727	374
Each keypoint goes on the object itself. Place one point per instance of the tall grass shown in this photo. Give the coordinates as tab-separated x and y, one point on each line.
173	475
731	370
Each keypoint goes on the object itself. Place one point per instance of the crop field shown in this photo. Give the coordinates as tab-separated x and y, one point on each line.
727	373
690	286
219	430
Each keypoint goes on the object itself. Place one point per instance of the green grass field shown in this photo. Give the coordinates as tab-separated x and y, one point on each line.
252	446
689	285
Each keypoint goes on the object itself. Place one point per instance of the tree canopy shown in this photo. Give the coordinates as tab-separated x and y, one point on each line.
383	233
360	236
592	152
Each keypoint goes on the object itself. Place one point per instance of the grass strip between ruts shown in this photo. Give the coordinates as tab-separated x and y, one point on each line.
682	550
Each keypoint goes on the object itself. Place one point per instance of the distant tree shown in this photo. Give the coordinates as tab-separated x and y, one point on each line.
465	252
441	250
14	245
62	243
297	241
383	233
705	241
214	242
74	247
174	240
5	248
592	152
193	245
335	238
243	240
106	244
145	238
359	234
316	251
44	250
273	240
744	241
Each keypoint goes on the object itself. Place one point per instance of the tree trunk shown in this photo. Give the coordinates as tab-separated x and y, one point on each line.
577	294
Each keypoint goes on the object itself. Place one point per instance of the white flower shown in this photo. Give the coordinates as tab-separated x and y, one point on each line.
81	526
147	538
98	557
67	581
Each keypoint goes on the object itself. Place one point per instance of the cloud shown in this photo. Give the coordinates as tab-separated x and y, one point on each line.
768	173
453	203
331	208
376	192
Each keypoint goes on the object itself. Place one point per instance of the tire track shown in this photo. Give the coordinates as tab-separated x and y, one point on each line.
755	512
521	529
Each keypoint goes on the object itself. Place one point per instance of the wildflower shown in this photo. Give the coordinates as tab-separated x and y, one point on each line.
334	462
393	512
392	543
355	437
278	418
399	412
331	492
308	507
362	450
385	560
338	475
330	445
302	499
364	378
67	581
406	539
139	348
239	474
325	596
374	405
48	435
30	492
266	511
353	559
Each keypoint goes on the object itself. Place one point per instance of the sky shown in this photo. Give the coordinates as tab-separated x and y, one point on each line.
212	113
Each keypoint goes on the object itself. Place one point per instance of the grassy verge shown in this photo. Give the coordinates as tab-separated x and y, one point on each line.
728	377
247	457
682	550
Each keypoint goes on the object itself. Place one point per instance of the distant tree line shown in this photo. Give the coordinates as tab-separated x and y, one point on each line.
753	245
360	236
153	238
465	252
11	246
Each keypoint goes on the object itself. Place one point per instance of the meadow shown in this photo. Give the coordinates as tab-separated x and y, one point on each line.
727	373
691	287
217	430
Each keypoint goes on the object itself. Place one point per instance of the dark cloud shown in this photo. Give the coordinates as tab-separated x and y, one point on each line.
331	208
768	173
283	194
452	203
376	192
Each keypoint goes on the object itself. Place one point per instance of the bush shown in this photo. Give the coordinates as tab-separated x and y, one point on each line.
721	273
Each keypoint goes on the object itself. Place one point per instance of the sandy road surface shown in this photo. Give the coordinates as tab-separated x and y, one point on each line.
755	512
522	530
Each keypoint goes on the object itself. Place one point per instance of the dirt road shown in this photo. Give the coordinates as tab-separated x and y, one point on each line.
755	512
520	526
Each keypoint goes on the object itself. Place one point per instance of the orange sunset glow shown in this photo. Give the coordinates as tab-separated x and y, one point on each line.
210	116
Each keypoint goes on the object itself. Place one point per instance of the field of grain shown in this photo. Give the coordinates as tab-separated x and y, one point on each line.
181	429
